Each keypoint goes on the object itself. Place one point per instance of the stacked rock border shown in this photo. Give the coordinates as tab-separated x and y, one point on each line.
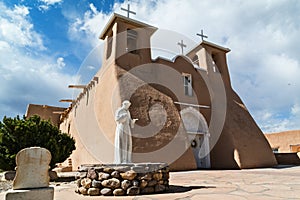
122	179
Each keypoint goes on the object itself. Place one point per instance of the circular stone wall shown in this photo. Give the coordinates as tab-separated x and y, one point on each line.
122	179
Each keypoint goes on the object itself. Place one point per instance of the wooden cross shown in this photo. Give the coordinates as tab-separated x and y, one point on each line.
202	35
128	10
182	45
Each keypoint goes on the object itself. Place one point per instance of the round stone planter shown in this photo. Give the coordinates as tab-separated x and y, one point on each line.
122	179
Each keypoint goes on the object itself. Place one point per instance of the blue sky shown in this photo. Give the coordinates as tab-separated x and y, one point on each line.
43	44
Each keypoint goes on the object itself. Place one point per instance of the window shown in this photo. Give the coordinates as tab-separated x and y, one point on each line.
195	60
187	84
214	63
131	41
109	47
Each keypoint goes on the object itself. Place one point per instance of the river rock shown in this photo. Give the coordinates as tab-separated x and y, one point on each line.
118	192
103	176
108	170
92	174
96	184
86	183
93	191
133	191
106	191
125	184
111	183
82	190
143	183
147	177
157	176
129	175
115	174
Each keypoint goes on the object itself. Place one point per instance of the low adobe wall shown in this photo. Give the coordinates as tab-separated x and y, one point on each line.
288	158
123	179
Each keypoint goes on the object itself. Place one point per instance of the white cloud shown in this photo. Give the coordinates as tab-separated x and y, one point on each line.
46	4
264	35
16	29
94	9
60	62
296	109
87	29
51	2
26	74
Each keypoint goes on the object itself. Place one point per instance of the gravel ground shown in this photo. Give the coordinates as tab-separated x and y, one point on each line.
5	185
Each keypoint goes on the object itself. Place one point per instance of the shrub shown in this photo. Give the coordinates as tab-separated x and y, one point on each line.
17	134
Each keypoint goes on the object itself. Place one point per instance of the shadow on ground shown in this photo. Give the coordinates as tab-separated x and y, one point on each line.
180	189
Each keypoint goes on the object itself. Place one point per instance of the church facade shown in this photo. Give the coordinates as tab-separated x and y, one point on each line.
188	114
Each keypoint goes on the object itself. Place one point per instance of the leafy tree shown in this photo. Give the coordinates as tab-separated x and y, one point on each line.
16	134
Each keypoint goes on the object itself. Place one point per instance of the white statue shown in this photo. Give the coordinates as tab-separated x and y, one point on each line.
123	141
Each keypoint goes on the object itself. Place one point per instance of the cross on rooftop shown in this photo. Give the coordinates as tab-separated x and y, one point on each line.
128	10
202	35
182	45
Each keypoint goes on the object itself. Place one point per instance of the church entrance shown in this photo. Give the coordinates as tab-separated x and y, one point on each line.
198	135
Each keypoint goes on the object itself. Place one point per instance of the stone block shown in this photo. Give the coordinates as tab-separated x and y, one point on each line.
30	194
32	168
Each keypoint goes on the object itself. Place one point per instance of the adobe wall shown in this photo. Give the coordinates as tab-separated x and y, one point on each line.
241	143
283	140
150	149
45	112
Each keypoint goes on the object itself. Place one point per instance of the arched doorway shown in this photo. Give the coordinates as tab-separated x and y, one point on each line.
198	134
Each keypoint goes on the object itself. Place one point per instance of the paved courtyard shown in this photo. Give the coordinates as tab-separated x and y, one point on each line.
270	183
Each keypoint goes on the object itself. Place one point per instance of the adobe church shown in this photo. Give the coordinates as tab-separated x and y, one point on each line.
188	114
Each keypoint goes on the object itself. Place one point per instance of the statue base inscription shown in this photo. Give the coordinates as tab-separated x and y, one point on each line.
123	179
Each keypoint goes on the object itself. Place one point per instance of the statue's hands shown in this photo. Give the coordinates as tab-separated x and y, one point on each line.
133	122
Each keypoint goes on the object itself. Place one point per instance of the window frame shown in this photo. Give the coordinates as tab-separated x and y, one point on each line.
187	84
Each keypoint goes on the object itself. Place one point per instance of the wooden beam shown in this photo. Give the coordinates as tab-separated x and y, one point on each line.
192	105
77	86
66	100
58	112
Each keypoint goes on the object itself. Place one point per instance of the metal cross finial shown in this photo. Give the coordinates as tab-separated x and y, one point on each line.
128	10
202	35
182	45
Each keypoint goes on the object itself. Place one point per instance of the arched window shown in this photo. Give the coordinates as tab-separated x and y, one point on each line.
195	60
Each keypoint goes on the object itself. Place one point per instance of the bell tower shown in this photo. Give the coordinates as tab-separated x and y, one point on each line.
127	42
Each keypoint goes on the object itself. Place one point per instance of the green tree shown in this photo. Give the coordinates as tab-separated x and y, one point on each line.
16	134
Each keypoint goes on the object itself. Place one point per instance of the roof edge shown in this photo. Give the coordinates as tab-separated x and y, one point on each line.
115	16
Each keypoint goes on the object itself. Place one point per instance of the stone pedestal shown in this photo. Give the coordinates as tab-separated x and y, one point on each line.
30	194
123	179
